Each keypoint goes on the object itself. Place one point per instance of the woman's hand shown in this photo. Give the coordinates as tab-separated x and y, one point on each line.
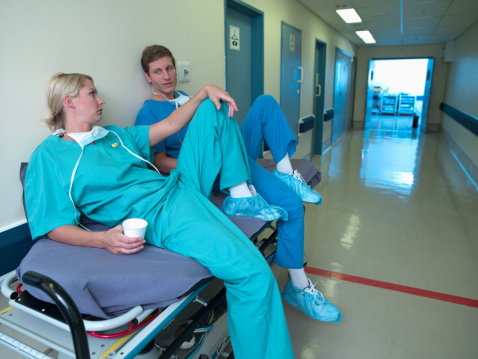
113	239
217	94
117	243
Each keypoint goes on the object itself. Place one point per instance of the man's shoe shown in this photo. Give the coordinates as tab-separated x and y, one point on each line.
311	302
295	181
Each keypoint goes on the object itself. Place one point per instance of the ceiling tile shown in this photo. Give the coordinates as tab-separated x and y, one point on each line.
461	7
435	8
424	31
467	18
453	31
421	22
360	4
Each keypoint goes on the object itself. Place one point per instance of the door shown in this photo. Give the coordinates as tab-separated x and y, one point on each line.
426	95
343	94
318	93
291	75
369	101
244	55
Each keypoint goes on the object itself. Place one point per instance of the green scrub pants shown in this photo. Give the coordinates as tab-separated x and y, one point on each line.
191	225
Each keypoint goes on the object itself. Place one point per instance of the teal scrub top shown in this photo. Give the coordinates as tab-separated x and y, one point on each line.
110	184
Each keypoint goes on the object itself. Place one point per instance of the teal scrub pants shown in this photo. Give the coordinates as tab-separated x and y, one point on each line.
266	121
191	225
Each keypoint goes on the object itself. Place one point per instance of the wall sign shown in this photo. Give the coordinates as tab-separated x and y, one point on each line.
292	42
234	38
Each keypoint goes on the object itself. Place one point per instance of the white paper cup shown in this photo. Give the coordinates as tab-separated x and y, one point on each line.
135	227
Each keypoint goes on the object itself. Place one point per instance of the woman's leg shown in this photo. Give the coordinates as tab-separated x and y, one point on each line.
191	225
213	145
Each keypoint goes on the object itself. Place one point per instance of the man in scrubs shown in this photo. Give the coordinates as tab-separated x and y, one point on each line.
284	187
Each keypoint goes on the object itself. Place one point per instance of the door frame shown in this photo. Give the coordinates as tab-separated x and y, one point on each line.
257	44
350	97
430	72
427	94
320	59
295	125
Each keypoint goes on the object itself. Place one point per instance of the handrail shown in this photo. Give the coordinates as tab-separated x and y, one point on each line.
467	121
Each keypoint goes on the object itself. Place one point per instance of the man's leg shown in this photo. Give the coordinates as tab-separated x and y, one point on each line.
265	120
290	243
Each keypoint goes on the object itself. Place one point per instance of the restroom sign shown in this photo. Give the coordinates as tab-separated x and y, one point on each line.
234	38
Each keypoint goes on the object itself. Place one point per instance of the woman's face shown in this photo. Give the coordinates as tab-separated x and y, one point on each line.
163	77
88	105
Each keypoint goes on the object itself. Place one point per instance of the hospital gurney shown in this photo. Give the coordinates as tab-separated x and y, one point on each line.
107	286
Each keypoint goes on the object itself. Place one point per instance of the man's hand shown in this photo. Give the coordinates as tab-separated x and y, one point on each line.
217	94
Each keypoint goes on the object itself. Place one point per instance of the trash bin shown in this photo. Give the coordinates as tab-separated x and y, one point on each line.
415	121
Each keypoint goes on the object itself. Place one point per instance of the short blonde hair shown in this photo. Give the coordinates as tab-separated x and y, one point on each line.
61	85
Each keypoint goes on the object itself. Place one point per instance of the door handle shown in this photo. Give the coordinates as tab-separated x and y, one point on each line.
301	69
320	91
317	85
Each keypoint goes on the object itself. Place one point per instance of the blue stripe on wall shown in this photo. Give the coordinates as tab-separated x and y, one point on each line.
467	121
14	245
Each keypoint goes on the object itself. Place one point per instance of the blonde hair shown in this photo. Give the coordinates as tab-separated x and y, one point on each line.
61	85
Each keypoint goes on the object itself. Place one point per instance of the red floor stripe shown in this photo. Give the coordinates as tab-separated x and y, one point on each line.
396	287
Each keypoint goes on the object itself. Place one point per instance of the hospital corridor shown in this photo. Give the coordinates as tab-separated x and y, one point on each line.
394	246
239	179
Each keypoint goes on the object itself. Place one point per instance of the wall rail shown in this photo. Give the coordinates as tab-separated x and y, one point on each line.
467	121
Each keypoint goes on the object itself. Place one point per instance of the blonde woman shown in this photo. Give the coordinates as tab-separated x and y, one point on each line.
103	173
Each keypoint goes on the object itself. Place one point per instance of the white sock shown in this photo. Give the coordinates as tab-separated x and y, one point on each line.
298	278
284	165
240	190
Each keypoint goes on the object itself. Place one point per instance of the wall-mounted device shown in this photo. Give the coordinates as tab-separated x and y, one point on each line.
183	71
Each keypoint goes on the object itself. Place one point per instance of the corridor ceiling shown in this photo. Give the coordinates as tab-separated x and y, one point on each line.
400	22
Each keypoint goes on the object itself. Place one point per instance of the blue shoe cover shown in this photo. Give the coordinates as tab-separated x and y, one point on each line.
254	206
295	181
311	302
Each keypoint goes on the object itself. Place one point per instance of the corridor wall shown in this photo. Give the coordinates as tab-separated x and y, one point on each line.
461	93
105	39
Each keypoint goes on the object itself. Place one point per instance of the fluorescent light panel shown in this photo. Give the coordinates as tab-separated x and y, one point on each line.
366	36
349	15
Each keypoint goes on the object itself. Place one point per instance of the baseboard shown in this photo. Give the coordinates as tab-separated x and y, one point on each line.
465	162
327	145
359	125
433	127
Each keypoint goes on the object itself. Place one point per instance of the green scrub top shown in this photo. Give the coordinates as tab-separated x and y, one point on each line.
109	186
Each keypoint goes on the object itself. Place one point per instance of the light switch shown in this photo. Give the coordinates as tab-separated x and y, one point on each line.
182	69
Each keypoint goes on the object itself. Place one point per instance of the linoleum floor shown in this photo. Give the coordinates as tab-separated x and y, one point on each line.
394	246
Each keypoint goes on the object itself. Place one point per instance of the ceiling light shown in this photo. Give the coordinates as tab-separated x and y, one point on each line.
366	36
349	15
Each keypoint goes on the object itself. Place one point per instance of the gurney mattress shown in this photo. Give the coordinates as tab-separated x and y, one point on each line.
106	285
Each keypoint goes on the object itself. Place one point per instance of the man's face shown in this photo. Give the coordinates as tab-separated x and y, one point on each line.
162	75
